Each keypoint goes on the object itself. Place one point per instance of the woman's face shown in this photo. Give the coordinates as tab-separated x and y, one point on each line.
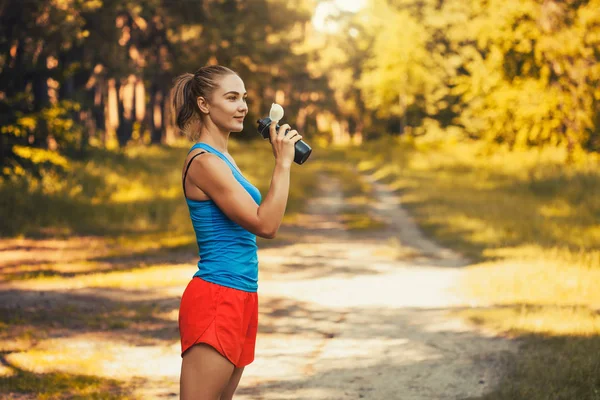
227	105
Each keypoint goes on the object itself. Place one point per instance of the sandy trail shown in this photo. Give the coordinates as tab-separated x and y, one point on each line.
343	315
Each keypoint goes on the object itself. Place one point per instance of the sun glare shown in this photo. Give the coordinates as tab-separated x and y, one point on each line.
329	8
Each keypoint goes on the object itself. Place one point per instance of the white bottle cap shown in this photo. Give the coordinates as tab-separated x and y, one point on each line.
276	112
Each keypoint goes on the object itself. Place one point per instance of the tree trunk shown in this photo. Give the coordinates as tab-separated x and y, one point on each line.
98	108
88	130
16	70
157	106
126	105
150	112
40	101
1	152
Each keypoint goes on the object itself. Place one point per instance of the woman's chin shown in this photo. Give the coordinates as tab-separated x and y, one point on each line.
237	128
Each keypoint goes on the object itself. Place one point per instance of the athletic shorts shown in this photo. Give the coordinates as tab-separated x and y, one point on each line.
222	317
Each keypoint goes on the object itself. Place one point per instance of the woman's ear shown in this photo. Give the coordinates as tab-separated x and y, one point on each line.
203	105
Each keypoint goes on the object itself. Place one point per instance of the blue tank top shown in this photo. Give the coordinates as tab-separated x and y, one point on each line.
228	252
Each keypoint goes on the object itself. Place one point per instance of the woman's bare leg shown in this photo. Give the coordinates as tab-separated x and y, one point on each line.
205	373
232	384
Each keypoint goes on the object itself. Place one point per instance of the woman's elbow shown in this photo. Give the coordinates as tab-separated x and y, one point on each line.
267	233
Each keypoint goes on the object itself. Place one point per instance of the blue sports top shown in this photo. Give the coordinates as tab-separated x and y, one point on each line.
228	252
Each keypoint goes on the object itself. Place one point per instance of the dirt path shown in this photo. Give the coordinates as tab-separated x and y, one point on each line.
344	315
365	315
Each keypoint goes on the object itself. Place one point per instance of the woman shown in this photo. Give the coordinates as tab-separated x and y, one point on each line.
218	315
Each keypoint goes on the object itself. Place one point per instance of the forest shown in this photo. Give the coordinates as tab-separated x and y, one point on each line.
75	74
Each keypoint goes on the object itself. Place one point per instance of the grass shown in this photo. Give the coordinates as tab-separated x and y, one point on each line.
136	191
48	386
142	277
552	367
110	192
530	225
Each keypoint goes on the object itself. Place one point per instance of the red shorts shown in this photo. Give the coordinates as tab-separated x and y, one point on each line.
222	317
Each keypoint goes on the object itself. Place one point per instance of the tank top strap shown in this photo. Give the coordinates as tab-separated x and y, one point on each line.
211	149
204	146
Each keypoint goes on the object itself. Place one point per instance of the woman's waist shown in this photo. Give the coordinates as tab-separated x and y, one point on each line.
222	233
228	255
242	276
228	249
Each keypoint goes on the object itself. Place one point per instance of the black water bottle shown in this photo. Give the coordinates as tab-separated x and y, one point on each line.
302	150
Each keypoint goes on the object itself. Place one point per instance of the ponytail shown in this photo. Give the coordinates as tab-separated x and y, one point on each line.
187	115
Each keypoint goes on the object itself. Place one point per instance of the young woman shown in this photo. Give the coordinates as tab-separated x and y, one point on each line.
218	315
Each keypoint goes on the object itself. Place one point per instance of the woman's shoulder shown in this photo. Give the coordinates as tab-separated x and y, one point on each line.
207	162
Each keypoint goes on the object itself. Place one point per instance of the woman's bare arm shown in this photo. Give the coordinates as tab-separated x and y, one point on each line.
213	177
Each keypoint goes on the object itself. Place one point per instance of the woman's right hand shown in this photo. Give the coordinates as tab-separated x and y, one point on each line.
283	145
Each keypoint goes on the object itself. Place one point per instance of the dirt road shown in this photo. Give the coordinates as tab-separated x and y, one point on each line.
344	315
349	315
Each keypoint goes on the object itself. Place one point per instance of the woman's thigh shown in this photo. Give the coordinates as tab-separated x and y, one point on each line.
205	373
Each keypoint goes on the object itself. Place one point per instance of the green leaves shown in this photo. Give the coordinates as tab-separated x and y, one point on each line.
67	67
524	73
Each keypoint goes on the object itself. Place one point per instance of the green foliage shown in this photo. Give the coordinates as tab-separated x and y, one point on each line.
32	128
398	72
532	74
59	120
60	59
524	73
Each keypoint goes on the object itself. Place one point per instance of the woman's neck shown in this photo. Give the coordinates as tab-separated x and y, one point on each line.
217	140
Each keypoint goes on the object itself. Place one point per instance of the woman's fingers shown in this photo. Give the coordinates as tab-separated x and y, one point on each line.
292	134
282	129
283	141
273	130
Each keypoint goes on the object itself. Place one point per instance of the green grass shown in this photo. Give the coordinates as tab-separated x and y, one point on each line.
108	193
530	225
494	204
136	191
63	386
557	368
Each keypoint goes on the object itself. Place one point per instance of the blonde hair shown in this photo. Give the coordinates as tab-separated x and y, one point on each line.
186	90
